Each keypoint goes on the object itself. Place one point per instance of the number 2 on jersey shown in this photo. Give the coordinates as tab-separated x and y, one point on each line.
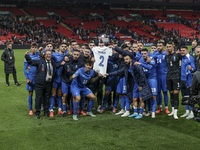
101	63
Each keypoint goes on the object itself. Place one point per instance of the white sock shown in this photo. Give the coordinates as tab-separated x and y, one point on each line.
191	113
51	110
166	107
59	109
160	106
172	109
187	111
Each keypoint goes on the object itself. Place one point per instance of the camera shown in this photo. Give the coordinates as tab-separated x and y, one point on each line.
192	100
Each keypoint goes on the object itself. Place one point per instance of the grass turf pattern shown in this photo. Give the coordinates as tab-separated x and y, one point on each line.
20	131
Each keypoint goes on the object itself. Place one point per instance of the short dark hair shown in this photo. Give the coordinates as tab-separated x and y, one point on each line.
47	51
124	46
76	51
171	43
144	50
126	41
161	43
8	43
73	41
90	62
63	43
49	43
87	47
140	42
184	47
154	45
34	45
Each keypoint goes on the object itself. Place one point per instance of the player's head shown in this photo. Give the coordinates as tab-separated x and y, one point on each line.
75	54
101	44
91	44
170	47
184	50
135	47
160	46
194	44
153	48
125	47
128	43
9	45
115	44
63	47
78	46
197	49
47	54
88	65
127	59
66	57
49	46
87	51
34	47
73	44
82	47
144	53
140	46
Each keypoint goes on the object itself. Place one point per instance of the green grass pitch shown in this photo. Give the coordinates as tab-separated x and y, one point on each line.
19	131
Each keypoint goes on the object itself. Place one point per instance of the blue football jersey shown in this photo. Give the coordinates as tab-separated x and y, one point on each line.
82	77
161	66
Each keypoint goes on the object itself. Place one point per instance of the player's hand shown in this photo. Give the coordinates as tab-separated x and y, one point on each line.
189	67
100	75
178	51
28	81
148	59
63	62
140	88
106	74
120	56
40	49
56	50
137	63
93	59
28	67
27	53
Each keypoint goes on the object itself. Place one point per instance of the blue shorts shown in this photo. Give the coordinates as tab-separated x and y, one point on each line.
30	87
57	85
77	91
121	86
136	92
65	87
111	84
161	81
153	85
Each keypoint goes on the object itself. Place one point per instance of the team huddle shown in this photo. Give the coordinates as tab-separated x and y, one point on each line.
70	77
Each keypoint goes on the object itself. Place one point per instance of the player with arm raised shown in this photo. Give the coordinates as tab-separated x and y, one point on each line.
30	75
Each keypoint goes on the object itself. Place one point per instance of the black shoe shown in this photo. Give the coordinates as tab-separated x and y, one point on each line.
17	84
46	114
64	114
7	84
37	117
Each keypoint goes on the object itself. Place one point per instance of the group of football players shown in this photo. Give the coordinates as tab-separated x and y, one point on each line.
138	77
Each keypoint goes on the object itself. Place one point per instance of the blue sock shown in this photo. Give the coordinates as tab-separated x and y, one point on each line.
123	100
30	102
75	107
64	108
159	99
105	102
52	101
91	104
191	108
187	107
82	102
116	101
141	110
127	103
59	100
165	98
154	105
135	110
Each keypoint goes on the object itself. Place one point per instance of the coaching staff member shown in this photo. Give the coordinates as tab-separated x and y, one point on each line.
43	81
9	63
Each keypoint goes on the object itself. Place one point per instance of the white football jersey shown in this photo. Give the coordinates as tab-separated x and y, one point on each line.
101	55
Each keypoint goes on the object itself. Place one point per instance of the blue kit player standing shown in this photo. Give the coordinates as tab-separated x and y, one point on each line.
30	75
187	68
161	76
57	57
150	72
78	87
